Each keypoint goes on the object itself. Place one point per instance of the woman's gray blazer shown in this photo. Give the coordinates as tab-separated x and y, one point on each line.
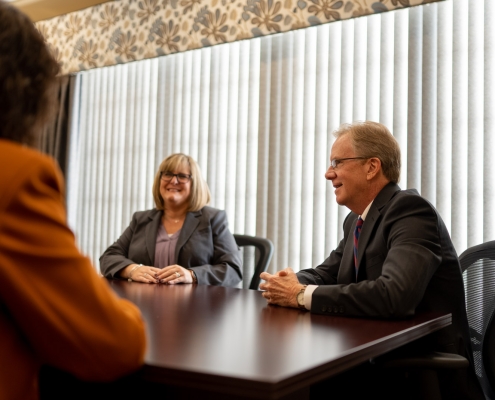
205	244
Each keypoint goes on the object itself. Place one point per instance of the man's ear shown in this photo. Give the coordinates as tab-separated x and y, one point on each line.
374	167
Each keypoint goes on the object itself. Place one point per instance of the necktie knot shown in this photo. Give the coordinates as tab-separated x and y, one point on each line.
359	223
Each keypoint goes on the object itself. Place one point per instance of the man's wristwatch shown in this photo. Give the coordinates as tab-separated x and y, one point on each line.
300	298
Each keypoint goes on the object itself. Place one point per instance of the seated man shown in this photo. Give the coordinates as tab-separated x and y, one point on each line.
396	256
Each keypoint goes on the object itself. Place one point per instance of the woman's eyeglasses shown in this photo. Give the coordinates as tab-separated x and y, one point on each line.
181	178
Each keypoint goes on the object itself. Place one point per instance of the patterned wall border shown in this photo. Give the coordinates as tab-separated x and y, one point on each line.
128	30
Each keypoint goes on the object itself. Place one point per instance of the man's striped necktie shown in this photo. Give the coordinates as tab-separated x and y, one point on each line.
357	232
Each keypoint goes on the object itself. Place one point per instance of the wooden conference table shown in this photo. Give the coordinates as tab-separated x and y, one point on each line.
228	343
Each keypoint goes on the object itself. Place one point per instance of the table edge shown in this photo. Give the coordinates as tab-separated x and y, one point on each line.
285	385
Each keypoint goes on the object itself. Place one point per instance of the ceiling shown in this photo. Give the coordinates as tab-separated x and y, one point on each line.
39	10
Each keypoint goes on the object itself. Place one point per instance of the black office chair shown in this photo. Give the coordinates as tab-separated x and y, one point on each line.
257	253
478	266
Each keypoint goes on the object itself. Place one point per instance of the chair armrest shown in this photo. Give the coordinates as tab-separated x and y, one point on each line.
432	360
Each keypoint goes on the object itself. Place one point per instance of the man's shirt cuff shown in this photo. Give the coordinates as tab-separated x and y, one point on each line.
308	295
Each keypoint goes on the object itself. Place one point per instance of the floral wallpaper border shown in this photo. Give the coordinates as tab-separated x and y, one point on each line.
128	30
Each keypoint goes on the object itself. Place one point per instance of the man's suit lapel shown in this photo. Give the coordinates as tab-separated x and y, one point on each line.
151	234
346	271
368	227
190	224
372	219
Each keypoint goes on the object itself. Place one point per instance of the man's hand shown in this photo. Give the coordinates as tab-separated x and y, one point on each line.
282	288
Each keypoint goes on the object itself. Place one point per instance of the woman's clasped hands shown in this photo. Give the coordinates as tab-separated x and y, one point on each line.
170	275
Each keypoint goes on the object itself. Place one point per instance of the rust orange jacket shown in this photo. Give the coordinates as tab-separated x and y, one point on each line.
54	308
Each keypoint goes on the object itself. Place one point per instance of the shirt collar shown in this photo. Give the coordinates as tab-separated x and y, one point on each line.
365	212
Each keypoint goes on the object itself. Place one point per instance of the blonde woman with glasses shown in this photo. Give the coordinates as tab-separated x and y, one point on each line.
181	240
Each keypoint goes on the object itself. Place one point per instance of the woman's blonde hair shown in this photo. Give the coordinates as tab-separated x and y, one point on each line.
200	193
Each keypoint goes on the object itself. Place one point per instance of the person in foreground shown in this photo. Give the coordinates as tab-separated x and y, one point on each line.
54	308
182	240
404	261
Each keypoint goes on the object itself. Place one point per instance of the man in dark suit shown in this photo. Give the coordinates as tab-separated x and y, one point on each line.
396	256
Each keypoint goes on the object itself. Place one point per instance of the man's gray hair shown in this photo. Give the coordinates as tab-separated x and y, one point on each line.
372	139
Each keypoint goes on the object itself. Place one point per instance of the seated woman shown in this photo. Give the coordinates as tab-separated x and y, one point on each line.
54	308
181	240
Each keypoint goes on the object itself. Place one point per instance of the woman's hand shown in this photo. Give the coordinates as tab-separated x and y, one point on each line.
140	273
174	274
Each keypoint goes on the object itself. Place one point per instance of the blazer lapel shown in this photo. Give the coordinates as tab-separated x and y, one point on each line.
368	227
373	217
151	233
190	224
347	273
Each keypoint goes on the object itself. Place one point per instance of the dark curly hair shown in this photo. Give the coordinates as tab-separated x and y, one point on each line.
28	73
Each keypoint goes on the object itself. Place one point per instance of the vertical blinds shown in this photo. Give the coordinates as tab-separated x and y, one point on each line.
258	115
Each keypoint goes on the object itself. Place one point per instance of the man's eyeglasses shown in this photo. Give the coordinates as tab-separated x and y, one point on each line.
336	162
181	178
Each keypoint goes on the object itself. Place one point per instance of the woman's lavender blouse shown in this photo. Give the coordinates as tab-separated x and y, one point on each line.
165	248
